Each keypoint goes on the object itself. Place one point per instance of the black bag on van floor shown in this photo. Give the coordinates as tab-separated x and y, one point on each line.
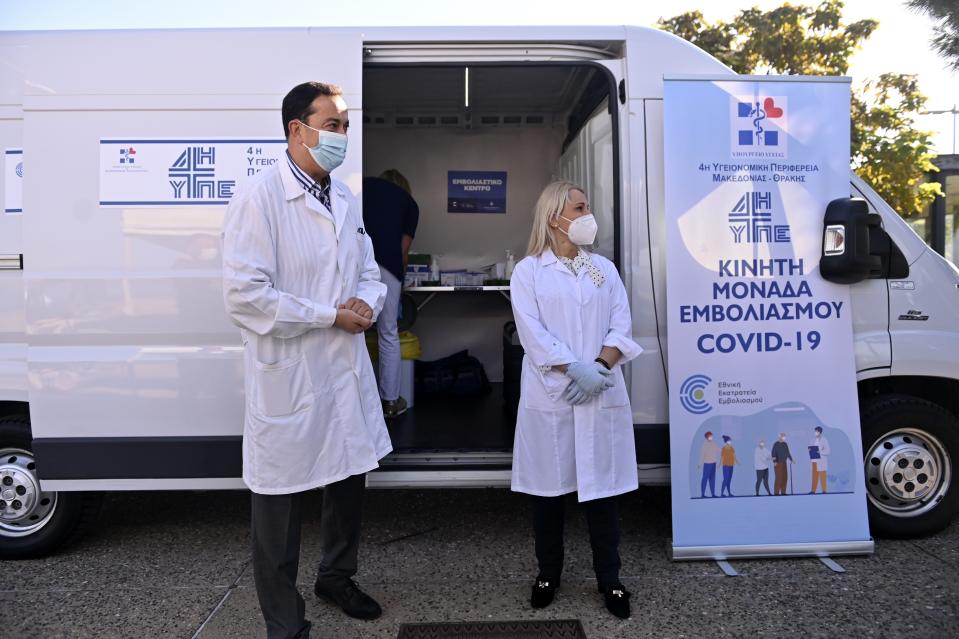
459	375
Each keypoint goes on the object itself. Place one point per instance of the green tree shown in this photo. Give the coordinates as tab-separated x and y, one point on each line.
886	150
945	37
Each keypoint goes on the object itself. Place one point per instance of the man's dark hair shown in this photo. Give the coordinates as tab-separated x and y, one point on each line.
298	102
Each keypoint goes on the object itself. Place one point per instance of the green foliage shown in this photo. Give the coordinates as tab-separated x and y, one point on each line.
887	151
945	37
792	39
797	39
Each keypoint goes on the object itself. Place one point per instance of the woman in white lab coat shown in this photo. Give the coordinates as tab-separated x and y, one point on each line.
574	425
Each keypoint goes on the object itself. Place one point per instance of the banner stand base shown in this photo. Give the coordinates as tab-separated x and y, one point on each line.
832	564
766	551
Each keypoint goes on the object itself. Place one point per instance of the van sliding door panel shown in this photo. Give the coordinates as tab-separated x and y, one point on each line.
13	348
126	330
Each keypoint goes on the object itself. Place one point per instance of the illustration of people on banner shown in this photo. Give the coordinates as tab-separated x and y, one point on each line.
828	465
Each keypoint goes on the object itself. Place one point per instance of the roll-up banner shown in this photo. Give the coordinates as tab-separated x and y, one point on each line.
765	444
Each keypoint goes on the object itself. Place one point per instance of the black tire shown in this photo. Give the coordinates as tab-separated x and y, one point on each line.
74	513
899	423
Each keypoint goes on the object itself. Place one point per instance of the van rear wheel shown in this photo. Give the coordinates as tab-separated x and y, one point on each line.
34	523
910	450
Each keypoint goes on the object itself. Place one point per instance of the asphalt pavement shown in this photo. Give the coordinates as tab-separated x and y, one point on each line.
177	564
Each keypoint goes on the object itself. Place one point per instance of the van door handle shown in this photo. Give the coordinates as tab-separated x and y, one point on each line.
11	262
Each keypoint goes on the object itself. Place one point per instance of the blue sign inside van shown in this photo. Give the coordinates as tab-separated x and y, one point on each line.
476	192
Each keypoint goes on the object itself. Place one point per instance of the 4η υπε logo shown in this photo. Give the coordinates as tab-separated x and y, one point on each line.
692	394
192	176
751	220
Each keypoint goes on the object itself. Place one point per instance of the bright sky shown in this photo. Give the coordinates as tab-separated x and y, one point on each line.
901	44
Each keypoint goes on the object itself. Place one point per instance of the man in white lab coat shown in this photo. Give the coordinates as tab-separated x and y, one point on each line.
301	283
819	452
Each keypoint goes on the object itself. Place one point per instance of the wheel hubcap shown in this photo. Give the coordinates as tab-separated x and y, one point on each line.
24	508
907	472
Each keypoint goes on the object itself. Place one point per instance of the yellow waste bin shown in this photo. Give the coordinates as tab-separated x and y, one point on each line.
409	345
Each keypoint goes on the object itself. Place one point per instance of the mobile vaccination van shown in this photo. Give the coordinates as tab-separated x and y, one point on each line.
120	371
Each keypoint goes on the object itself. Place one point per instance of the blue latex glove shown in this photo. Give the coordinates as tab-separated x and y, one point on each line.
591	377
575	395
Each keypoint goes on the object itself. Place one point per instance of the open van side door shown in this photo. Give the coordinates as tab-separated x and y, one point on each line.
650	54
590	161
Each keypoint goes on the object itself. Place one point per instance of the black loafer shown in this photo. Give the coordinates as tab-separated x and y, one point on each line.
348	596
617	600
544	590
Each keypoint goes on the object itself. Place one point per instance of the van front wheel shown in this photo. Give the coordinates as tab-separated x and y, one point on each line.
910	450
34	523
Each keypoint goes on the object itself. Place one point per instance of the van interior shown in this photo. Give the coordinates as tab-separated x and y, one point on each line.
536	123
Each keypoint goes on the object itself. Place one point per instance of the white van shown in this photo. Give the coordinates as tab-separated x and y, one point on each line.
119	369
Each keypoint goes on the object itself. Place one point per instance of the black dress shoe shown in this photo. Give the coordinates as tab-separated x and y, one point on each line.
348	596
617	600
543	592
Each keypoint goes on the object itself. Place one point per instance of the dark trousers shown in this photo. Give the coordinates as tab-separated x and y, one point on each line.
709	477
779	486
276	550
602	517
762	477
727	481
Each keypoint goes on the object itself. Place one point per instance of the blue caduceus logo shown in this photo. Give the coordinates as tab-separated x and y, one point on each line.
760	114
692	394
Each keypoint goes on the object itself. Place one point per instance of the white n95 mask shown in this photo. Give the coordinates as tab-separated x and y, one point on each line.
582	230
330	149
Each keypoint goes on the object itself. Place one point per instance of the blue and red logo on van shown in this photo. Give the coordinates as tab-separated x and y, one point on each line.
759	126
127	155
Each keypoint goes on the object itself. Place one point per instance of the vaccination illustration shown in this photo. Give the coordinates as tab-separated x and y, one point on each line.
781	451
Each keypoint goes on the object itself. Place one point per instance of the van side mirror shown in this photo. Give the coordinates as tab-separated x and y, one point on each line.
855	247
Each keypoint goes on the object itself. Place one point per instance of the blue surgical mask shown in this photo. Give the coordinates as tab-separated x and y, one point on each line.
330	149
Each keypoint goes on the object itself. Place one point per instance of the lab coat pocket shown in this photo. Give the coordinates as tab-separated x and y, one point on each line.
616	396
543	391
282	388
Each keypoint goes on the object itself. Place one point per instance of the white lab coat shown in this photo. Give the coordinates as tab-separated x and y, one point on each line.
563	318
313	412
824	451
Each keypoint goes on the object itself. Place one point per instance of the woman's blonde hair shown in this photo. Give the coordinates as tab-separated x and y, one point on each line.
397	178
548	207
